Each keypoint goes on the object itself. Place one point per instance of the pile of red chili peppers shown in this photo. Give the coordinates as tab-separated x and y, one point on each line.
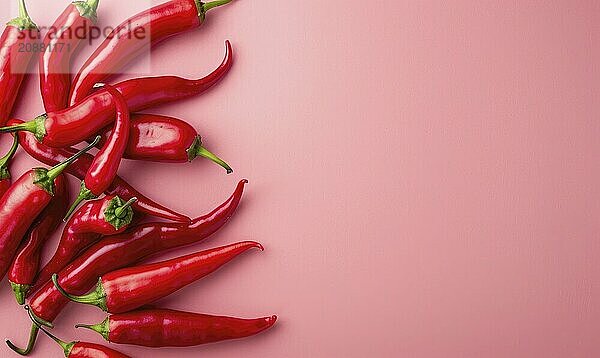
100	257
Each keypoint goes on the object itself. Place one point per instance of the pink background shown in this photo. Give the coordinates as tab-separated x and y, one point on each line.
424	176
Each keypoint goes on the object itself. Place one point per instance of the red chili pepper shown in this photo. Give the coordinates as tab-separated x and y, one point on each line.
5	177
120	187
23	203
169	328
155	138
126	42
82	121
106	163
110	215
24	268
15	54
148	92
120	251
60	44
130	288
78	349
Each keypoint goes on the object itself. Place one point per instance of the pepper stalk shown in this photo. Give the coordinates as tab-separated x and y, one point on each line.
119	213
44	178
66	346
5	160
198	150
103	328
23	21
203	7
88	9
35	328
95	298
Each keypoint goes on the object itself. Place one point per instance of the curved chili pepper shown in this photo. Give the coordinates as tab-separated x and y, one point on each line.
170	328
123	44
82	121
106	163
5	177
147	92
23	203
120	251
51	156
20	33
60	44
80	349
155	138
133	287
24	268
110	215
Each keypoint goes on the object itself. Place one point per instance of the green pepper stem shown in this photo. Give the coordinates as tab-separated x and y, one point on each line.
37	126
19	290
37	321
67	347
84	194
30	126
11	153
203	7
56	170
211	5
23	22
203	152
23	10
23	13
94	298
103	328
121	211
44	178
30	344
5	161
93	4
198	150
88	9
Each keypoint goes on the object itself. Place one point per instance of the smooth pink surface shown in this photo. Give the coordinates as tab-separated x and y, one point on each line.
423	174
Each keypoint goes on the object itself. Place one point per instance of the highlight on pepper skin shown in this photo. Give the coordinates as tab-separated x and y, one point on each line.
108	232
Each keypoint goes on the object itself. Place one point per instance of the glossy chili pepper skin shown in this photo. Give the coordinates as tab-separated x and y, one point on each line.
51	156
22	204
19	207
155	138
123	44
128	248
97	111
19	34
93	350
4	185
158	138
105	165
60	43
80	349
169	328
123	250
110	215
148	92
130	288
24	268
5	177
